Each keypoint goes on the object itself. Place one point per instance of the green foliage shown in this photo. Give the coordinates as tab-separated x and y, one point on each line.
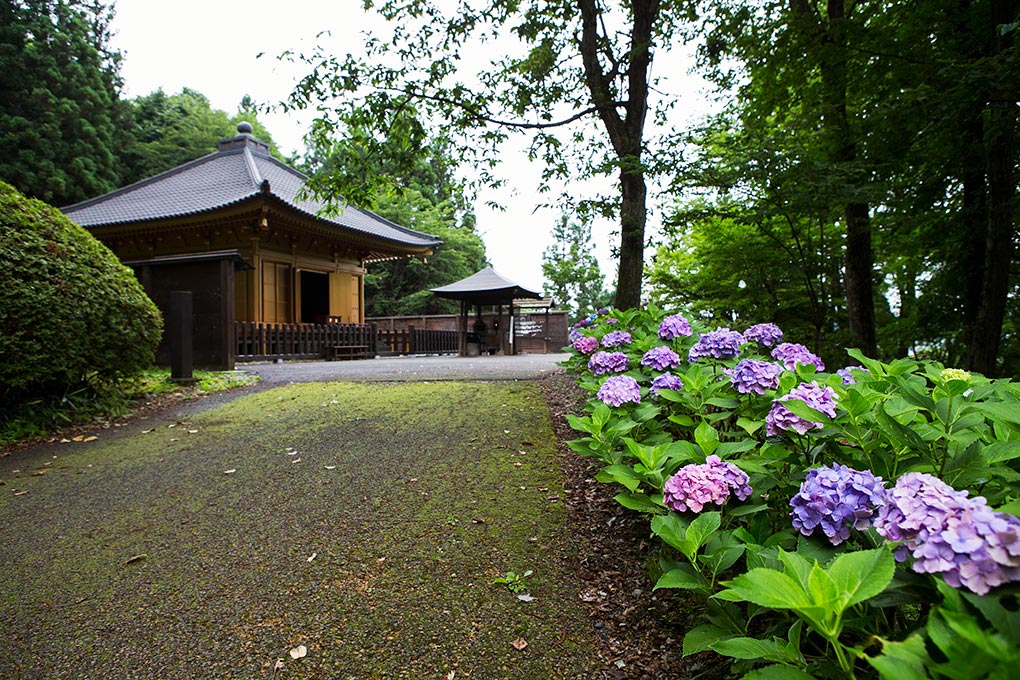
401	287
70	313
782	602
573	278
170	130
60	120
574	77
514	582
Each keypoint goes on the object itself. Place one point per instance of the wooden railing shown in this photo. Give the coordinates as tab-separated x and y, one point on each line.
254	341
415	341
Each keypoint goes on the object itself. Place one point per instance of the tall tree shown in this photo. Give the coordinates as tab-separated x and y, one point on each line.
168	130
59	93
573	277
415	186
579	83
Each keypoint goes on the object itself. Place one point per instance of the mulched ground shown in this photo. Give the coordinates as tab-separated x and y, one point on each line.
641	630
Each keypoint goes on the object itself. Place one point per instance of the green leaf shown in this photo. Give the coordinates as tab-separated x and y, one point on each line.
723	402
621	474
580	424
999	411
707	437
769	588
798	408
778	672
600	416
684	579
702	638
639	502
862	574
683	419
743	510
901	660
901	434
1001	451
671	529
748	425
753	649
699	531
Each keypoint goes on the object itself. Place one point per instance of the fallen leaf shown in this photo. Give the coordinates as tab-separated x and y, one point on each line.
330	467
292	452
525	597
477	520
135	558
146	431
172	425
230	471
20	493
278	666
77	438
527	443
91	438
192	431
39	473
519	644
450	676
299	652
296	460
312	557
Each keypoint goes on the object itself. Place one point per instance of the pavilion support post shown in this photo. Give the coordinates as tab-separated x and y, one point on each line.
463	327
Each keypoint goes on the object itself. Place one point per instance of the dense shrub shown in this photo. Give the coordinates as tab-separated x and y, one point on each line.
846	524
70	313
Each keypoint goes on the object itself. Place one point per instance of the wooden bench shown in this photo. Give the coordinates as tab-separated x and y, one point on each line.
348	352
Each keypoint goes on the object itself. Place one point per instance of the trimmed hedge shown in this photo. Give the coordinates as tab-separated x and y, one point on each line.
70	312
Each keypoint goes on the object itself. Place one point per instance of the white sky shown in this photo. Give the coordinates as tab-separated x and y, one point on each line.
211	46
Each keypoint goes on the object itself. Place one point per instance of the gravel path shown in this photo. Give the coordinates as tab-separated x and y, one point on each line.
519	367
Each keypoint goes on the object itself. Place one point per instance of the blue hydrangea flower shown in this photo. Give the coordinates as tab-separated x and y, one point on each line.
766	334
673	327
615	339
722	343
789	354
620	389
754	375
781	419
837	499
602	363
660	358
947	533
666	381
695	486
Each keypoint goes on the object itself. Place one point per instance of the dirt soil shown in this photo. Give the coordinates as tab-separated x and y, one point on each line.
149	576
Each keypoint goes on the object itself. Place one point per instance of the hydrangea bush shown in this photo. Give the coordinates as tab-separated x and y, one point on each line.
767	478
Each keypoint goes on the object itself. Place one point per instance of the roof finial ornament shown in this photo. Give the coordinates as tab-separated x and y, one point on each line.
244	128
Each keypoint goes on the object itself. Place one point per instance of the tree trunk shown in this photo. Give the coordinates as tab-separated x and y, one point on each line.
984	347
1001	116
860	301
632	239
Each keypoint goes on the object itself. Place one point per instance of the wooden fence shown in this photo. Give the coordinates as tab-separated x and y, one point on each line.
254	341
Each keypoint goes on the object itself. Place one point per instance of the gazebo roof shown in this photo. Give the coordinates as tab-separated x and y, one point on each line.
240	170
486	287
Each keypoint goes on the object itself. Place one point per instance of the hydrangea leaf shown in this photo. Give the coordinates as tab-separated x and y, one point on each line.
901	660
862	574
754	649
702	637
621	474
707	437
778	672
768	588
683	578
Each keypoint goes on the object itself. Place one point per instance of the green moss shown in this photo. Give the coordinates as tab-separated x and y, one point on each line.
412	497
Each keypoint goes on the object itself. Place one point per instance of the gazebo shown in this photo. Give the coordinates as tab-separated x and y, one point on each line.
486	288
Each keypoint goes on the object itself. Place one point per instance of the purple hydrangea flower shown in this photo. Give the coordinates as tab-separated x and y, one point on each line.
722	343
615	339
602	363
847	374
766	334
947	533
586	344
754	375
695	486
837	499
781	419
602	312
618	389
789	354
660	358
610	319
666	381
673	327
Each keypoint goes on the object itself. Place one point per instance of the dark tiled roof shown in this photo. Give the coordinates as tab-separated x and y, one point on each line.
230	175
486	285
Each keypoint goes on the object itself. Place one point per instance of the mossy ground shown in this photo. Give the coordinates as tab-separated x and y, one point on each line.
411	497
